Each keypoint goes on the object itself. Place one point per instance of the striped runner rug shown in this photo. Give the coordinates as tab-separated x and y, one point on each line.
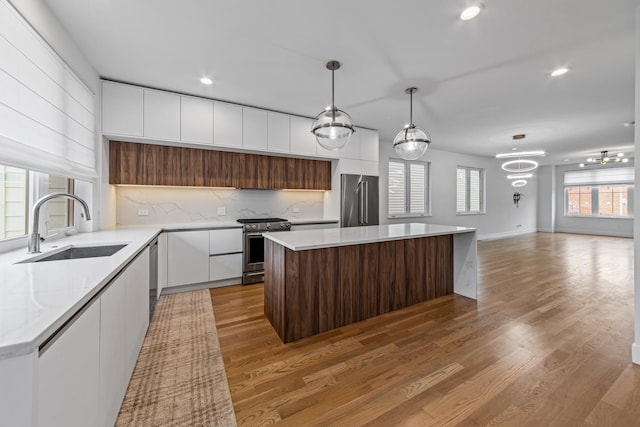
179	379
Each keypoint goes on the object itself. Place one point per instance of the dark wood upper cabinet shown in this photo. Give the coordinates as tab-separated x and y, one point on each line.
150	164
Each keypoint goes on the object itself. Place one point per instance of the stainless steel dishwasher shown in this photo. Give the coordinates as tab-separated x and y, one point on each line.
153	276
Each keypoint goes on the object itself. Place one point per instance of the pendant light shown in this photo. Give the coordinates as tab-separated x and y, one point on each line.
411	142
333	128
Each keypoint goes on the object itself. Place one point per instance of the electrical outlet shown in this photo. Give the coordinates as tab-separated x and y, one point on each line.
143	212
296	210
222	211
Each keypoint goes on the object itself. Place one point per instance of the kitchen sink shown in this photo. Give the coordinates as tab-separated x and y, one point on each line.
76	252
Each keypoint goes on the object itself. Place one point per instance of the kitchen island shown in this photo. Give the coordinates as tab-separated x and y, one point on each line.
319	280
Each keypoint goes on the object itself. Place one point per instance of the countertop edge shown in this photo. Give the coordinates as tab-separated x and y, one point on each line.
275	239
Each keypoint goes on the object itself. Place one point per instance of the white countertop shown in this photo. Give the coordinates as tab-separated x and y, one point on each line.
331	237
37	298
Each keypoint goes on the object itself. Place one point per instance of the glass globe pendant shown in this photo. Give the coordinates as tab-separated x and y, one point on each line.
333	127
411	142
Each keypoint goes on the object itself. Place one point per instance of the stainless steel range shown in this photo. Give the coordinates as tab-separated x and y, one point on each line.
253	245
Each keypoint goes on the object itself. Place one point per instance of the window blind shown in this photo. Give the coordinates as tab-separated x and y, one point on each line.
47	121
417	175
624	175
474	191
397	201
461	190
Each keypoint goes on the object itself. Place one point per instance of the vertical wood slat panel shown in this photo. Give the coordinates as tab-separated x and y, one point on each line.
274	294
323	289
328	290
349	279
150	164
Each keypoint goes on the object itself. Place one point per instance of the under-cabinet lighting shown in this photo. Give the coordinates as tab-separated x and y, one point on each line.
175	186
301	189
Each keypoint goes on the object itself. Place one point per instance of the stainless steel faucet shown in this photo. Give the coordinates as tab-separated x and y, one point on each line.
34	237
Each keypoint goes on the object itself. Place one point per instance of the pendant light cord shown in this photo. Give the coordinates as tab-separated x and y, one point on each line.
333	102
410	109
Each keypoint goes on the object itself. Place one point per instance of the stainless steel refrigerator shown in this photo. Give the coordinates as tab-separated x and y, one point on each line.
359	200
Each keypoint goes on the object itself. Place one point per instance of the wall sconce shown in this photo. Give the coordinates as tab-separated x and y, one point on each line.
516	198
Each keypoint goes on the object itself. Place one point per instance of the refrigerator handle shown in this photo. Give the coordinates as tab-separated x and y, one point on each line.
361	203
366	202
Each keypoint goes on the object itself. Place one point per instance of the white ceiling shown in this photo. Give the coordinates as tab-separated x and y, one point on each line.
479	81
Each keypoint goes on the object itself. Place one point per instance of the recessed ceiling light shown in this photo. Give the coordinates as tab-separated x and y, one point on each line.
470	13
625	160
559	71
206	81
565	160
514	149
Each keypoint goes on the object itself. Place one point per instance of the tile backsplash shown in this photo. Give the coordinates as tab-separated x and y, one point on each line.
174	205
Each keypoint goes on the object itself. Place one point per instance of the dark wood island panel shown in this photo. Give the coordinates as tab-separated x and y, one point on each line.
312	291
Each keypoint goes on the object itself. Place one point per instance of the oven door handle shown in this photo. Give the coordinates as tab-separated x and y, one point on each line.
253	234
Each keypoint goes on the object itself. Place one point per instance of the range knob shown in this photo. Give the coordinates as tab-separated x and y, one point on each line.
285	226
268	226
254	226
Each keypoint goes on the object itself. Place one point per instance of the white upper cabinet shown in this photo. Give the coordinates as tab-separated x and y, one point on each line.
227	129
368	145
196	120
122	109
302	140
352	149
254	129
161	115
278	132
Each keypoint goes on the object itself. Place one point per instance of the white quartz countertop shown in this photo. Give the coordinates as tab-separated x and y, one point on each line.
38	298
331	237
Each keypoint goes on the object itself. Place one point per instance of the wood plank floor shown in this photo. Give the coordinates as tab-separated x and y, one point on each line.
546	344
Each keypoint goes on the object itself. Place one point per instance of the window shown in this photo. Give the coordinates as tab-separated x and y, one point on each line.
470	190
19	189
408	188
605	193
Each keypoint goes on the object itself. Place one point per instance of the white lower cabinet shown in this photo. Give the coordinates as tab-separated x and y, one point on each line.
113	364
223	267
68	374
187	257
82	373
124	319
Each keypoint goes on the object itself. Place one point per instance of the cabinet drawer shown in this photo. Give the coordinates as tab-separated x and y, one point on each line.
223	267
225	241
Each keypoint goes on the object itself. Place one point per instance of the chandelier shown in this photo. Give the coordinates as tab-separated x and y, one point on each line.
604	159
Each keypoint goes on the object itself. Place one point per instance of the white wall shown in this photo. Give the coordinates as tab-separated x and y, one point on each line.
546	198
635	348
502	217
100	196
620	227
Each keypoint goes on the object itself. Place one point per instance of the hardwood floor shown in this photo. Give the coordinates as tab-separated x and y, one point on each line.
546	344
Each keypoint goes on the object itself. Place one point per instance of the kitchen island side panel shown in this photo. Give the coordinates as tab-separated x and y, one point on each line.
274	285
318	290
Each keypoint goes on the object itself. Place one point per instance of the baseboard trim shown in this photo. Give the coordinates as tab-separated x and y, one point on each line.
496	236
594	232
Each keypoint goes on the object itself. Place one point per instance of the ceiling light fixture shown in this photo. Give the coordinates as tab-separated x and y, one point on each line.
470	12
521	154
524	165
519	183
559	71
333	128
604	159
206	81
520	176
411	142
